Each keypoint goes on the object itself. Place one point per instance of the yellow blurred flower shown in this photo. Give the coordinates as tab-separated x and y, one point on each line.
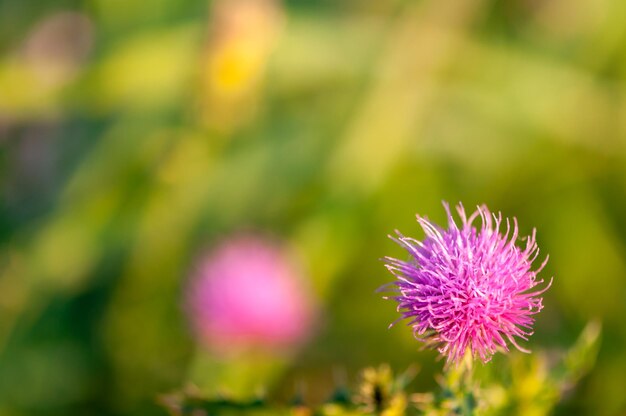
242	38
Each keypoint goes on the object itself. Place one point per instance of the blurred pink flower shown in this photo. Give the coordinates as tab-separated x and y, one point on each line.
247	293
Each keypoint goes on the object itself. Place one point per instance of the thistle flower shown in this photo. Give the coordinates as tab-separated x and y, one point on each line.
247	293
467	288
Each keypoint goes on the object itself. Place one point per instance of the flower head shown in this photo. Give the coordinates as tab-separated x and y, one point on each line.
468	288
247	293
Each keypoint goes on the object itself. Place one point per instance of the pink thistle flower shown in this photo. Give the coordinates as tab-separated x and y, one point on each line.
246	294
466	288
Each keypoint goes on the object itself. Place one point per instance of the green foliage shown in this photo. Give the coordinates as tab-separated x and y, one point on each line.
517	384
378	393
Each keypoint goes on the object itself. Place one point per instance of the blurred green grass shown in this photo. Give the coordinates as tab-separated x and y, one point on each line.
133	134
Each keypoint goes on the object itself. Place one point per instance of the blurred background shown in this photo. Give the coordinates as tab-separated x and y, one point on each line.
136	136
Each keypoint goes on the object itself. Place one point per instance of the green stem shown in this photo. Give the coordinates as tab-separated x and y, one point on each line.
466	385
